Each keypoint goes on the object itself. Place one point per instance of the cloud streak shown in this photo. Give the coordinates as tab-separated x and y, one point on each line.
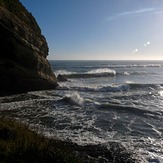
141	11
131	13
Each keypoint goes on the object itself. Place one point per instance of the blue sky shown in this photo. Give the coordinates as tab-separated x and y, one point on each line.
100	29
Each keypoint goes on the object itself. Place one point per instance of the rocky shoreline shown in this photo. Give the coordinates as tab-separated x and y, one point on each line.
24	145
116	153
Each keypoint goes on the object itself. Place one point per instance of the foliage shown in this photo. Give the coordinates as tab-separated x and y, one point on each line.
19	144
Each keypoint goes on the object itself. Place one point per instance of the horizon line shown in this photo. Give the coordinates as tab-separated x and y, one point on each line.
103	60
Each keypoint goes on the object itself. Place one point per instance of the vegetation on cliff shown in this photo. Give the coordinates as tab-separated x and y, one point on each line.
19	144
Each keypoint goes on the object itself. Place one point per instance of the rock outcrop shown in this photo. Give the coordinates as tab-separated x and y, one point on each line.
23	63
61	78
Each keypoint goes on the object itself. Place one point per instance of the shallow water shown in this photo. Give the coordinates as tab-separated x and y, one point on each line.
101	102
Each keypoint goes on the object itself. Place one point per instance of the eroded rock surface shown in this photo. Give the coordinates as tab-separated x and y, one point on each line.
23	63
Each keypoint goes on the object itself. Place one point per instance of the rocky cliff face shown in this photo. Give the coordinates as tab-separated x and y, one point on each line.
23	52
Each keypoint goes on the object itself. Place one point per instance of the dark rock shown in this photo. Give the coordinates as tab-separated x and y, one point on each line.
23	63
116	153
61	78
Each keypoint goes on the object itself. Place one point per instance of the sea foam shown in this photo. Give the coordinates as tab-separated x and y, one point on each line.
101	71
74	98
97	88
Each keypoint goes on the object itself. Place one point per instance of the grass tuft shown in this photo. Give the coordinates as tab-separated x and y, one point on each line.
20	144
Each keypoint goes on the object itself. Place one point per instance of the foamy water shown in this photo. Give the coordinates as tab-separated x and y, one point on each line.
95	107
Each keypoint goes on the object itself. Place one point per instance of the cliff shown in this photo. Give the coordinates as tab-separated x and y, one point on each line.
23	63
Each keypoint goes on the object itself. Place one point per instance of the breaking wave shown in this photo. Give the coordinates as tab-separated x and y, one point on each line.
73	98
134	73
100	88
64	72
112	88
101	72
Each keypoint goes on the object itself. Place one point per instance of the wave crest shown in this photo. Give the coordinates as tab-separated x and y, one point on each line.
74	99
112	88
100	88
63	72
102	71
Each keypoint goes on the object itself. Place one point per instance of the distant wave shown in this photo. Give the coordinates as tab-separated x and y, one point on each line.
112	88
133	73
101	72
130	109
144	86
64	72
134	65
101	88
125	66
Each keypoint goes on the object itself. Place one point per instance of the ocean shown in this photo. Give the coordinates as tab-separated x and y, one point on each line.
102	102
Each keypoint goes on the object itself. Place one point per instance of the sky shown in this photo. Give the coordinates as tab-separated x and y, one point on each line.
100	29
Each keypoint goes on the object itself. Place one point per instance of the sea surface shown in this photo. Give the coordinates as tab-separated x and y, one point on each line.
102	102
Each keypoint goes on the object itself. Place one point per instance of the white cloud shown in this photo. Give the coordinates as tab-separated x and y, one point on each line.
136	12
128	13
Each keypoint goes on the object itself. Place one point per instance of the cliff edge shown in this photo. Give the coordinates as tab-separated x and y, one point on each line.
23	63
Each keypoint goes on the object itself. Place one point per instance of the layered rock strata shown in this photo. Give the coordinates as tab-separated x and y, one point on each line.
23	63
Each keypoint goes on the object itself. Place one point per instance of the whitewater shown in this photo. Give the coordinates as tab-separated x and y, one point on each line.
102	102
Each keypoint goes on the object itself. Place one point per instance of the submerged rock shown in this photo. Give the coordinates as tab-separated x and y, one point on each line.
61	78
23	63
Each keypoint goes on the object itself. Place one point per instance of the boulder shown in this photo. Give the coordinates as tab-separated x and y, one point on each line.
61	78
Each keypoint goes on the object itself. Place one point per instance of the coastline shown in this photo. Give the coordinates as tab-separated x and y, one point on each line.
80	113
18	142
92	99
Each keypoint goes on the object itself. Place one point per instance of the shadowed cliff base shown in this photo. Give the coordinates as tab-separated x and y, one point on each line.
23	63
